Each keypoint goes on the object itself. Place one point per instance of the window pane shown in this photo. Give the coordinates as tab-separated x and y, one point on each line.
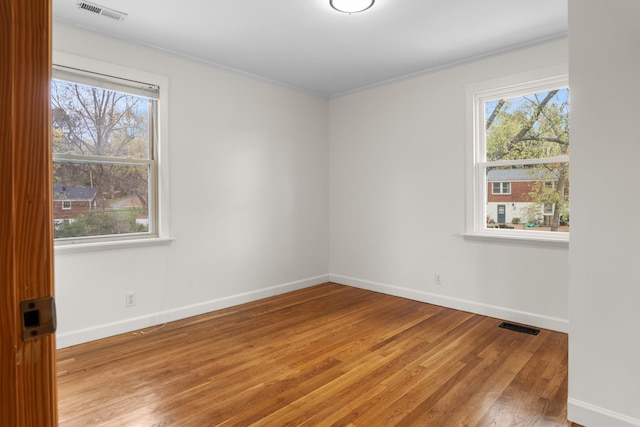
531	203
99	122
105	199
528	127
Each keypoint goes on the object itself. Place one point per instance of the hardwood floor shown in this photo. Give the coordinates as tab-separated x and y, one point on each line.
326	355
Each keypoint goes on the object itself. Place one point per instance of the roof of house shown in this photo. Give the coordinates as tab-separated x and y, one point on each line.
521	174
77	192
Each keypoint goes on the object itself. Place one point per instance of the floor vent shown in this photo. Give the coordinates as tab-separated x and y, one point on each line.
520	328
101	10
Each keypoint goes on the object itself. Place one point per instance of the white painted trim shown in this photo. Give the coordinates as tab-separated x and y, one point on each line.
533	238
590	415
76	247
163	229
532	319
476	185
128	325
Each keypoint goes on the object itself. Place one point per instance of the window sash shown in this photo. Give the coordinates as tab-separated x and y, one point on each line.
524	162
501	187
478	184
152	203
131	87
76	158
105	81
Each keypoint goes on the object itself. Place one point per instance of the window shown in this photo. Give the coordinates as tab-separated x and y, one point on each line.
521	157
104	156
501	188
549	208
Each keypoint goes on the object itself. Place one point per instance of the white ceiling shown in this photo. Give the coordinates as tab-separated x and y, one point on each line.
309	46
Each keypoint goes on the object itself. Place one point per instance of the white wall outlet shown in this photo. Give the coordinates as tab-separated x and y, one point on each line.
130	299
437	280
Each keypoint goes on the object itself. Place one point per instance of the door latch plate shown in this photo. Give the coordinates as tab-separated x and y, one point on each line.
38	317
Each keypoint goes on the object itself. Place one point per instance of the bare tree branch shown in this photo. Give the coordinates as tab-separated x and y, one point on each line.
495	112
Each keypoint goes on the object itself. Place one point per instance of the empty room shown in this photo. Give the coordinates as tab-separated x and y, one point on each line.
321	212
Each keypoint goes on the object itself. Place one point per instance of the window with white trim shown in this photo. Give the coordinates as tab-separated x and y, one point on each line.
549	208
501	188
521	157
104	156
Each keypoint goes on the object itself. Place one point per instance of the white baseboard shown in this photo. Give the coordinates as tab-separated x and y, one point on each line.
589	415
80	336
504	313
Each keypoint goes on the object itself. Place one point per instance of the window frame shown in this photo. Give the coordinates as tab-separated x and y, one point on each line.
551	209
66	205
159	197
477	186
502	185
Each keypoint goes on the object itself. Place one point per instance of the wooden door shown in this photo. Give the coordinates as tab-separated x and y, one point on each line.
27	367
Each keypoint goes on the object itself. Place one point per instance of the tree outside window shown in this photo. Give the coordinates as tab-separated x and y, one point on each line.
522	139
103	145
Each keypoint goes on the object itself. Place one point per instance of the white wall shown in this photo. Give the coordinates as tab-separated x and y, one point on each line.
397	168
248	182
604	342
250	208
249	185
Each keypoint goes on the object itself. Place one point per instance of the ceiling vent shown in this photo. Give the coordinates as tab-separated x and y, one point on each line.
101	10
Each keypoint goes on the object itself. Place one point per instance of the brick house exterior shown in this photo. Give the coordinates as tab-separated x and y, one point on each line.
71	202
508	193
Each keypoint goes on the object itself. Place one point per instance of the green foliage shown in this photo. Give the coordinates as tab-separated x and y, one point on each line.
532	212
527	127
515	220
100	223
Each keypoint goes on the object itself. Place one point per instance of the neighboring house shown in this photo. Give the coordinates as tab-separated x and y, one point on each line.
71	202
508	194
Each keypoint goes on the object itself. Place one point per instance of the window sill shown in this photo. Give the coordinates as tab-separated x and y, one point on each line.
71	248
526	240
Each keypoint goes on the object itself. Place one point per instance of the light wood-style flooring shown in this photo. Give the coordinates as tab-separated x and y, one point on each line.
322	356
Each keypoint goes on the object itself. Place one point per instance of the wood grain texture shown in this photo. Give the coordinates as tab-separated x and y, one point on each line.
326	355
8	315
27	389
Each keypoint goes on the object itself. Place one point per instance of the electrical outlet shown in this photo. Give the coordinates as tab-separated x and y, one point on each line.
130	299
437	280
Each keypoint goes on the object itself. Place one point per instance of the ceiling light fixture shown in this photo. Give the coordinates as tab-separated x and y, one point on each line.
351	6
